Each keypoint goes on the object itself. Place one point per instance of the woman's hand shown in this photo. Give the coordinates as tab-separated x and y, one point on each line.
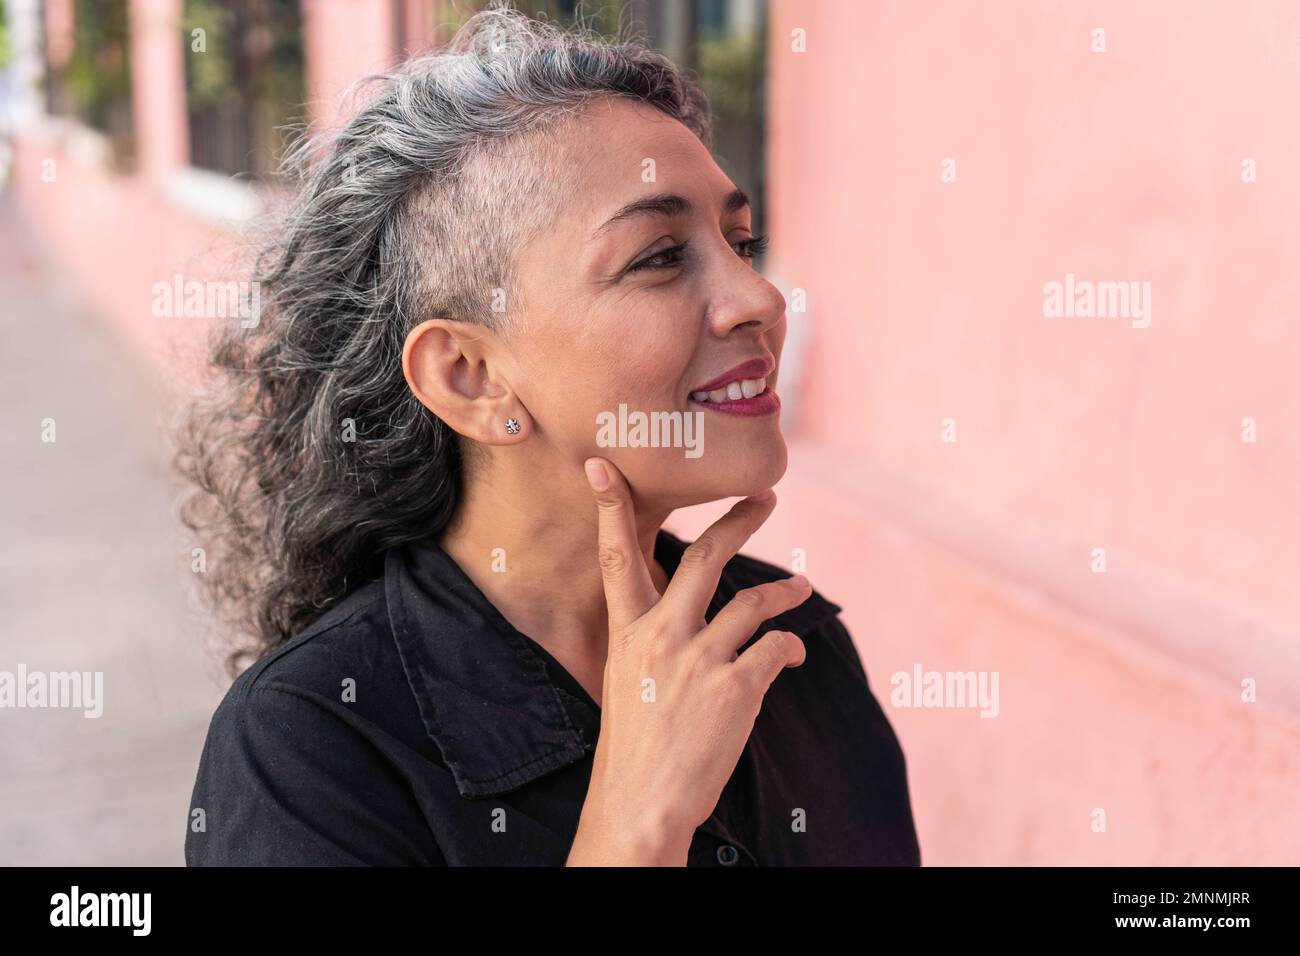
677	704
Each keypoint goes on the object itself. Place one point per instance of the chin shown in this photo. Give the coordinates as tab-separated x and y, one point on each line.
756	472
716	477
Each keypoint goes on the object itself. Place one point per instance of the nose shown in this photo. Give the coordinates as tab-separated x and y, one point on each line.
743	299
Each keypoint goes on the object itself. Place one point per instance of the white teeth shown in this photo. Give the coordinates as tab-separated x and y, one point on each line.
733	391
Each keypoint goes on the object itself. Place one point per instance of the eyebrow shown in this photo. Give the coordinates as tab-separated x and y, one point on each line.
668	204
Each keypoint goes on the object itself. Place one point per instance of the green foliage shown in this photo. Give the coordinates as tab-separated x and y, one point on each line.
268	35
727	66
207	74
4	36
243	81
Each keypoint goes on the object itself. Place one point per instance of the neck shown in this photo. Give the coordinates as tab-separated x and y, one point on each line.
533	555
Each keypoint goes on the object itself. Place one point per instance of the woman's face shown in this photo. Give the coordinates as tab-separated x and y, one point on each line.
617	313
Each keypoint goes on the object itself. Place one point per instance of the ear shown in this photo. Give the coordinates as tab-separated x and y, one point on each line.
456	370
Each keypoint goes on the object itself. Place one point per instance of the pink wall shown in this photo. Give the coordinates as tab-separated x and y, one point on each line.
104	230
1120	690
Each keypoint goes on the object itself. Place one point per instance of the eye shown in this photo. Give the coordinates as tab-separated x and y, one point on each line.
663	259
754	247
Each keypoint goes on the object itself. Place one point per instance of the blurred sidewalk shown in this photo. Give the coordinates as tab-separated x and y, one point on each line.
94	577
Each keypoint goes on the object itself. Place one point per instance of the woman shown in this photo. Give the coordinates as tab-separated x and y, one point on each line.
474	643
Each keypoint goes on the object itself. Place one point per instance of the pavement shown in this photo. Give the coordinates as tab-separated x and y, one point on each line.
94	577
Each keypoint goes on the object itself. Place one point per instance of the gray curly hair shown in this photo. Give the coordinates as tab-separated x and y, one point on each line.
414	209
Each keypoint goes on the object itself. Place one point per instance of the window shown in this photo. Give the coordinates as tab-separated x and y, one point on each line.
243	82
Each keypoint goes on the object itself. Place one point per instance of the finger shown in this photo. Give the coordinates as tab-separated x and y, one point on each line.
701	564
629	589
748	609
768	656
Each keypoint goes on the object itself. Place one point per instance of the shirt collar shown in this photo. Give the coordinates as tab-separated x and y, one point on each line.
500	708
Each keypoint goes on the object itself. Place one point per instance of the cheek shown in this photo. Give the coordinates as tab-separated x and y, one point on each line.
643	362
633	353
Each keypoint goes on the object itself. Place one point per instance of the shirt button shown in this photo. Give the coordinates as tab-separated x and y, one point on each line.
727	855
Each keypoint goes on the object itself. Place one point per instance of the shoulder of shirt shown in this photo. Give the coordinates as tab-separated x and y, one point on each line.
310	661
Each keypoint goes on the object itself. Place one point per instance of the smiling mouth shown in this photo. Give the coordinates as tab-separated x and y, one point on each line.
748	397
743	390
732	391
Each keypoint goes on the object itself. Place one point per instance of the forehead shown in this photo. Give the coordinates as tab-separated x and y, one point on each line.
615	150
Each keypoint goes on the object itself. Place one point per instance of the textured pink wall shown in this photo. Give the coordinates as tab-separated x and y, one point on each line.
1119	690
114	237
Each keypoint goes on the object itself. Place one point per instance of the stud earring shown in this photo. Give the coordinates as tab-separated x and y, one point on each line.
512	426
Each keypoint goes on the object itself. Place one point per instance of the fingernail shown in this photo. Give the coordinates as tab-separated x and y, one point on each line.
597	476
798	580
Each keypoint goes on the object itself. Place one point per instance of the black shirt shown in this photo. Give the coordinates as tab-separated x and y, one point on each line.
413	725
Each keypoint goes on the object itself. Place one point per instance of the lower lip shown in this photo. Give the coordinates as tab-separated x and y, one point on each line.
764	403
